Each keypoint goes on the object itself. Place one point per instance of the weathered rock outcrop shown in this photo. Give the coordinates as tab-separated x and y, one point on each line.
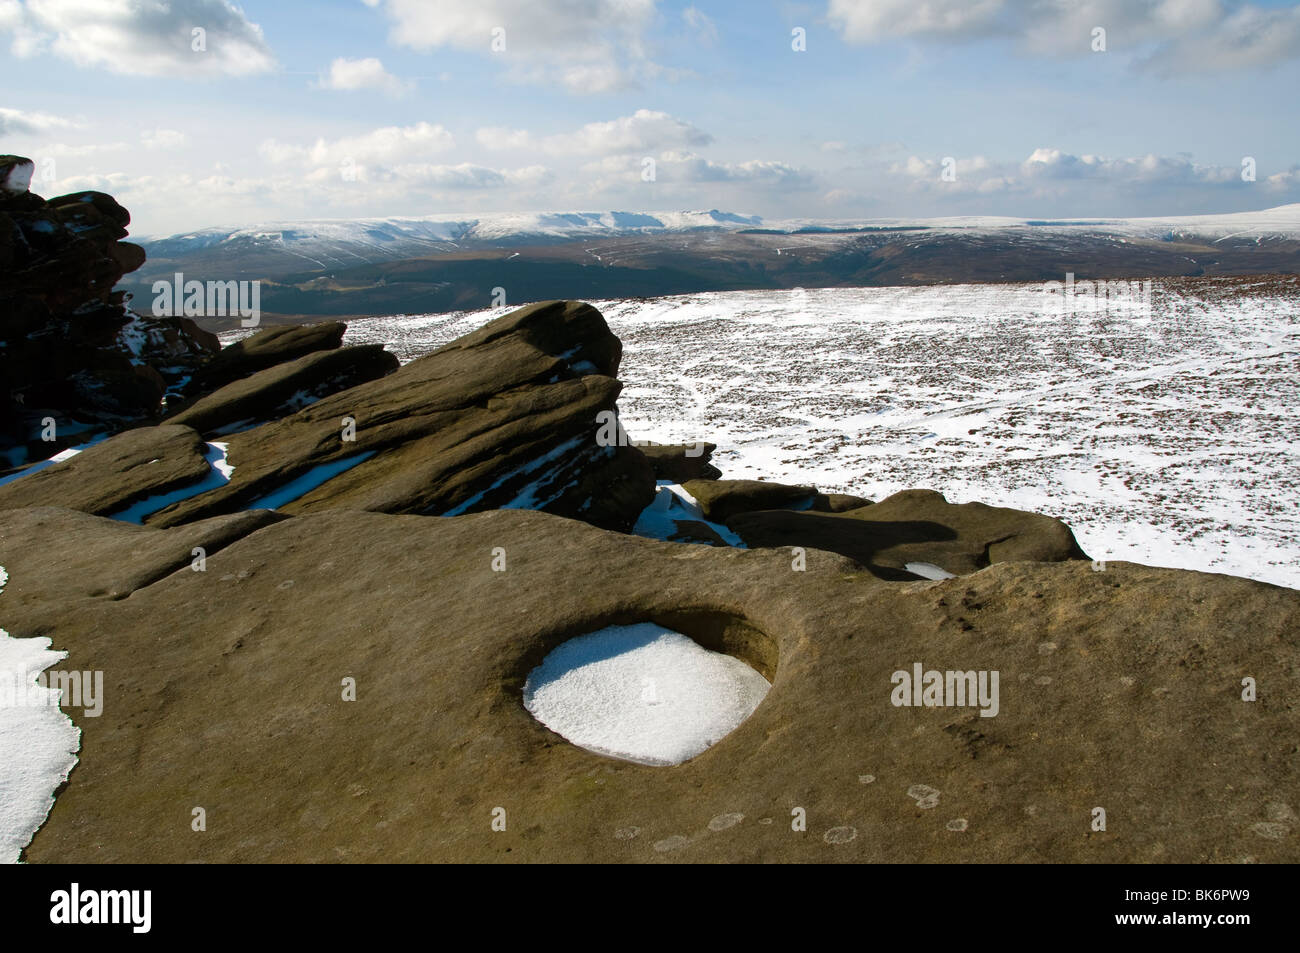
722	499
397	562
70	351
1119	689
111	475
681	463
916	526
505	416
267	348
281	389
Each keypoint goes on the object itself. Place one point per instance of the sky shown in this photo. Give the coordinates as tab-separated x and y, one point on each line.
197	113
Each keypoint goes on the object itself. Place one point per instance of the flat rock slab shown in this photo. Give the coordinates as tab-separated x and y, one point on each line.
111	475
506	415
268	347
722	499
916	526
681	462
1119	689
271	393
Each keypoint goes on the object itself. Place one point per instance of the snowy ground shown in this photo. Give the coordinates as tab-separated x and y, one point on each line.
1166	436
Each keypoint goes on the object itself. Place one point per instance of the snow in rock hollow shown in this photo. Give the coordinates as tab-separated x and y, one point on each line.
38	742
642	693
1165	436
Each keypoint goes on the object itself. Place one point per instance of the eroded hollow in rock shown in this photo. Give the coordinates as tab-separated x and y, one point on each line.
648	693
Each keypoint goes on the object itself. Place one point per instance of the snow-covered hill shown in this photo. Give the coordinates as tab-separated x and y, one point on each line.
384	239
336	241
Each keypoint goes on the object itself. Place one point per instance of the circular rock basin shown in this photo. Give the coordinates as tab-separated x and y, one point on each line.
642	693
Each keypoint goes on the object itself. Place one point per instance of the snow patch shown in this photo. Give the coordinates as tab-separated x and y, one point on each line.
38	742
928	571
218	476
642	693
302	485
671	504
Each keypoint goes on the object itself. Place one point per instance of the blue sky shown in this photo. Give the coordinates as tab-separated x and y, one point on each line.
351	108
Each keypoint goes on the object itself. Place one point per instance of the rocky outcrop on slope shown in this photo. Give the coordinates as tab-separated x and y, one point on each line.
70	351
916	526
503	417
680	463
268	348
110	476
1120	690
282	389
342	679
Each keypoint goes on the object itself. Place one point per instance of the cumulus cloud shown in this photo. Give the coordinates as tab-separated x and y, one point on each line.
643	131
1052	164
178	38
869	21
162	139
368	73
19	122
389	144
704	29
1052	173
584	45
90	149
688	167
394	158
501	139
1167	36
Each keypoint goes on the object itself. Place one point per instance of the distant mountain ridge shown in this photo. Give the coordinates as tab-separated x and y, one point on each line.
338	268
438	232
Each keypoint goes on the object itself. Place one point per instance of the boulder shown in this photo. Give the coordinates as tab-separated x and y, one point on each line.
285	388
722	499
223	688
267	348
838	502
680	463
916	526
504	417
69	348
111	475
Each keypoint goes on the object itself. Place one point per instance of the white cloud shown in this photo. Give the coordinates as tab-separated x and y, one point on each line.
1052	164
1167	36
1051	173
587	46
17	122
500	139
63	149
642	132
162	139
368	73
687	167
869	21
701	25
143	38
387	145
